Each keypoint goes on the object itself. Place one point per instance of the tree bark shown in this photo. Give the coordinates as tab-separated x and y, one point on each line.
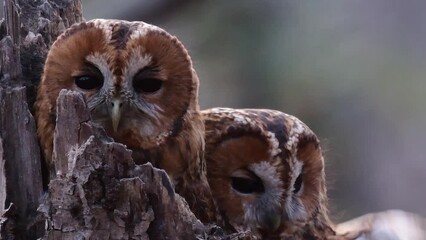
21	153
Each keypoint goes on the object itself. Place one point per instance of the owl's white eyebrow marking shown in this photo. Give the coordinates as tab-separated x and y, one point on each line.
269	175
137	60
100	61
293	205
294	208
271	198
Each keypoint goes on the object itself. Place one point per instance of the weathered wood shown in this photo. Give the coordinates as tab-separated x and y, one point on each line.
42	22
7	223
28	30
2	181
9	45
5	227
99	192
22	160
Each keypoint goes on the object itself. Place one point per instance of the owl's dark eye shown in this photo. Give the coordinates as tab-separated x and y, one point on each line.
147	85
146	80
88	82
246	182
89	77
298	183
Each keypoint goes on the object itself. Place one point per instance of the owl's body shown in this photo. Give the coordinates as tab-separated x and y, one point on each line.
140	86
266	172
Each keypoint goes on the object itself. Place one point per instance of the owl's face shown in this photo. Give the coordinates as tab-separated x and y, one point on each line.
265	169
137	80
139	84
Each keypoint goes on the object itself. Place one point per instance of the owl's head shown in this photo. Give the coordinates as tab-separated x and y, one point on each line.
266	171
137	79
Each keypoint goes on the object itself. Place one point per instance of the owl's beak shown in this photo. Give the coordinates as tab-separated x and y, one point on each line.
271	219
115	113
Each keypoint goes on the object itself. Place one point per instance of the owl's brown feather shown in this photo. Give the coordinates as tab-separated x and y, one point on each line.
266	172
140	86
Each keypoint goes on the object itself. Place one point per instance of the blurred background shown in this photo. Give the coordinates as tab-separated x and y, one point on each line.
353	70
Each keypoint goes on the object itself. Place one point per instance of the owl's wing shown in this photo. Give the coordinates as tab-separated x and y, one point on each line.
387	225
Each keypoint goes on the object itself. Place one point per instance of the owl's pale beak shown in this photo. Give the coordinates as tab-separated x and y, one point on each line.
270	219
115	113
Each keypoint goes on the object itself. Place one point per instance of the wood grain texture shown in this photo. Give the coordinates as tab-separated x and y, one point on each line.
22	158
100	193
2	180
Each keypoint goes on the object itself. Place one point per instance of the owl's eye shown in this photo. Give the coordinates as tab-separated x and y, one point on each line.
89	77
88	82
246	182
145	81
298	184
148	85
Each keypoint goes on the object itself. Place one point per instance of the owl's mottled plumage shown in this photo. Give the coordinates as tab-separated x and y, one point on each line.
140	85
266	172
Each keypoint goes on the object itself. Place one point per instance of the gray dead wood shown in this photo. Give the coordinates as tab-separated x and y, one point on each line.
2	180
21	154
42	22
5	224
99	192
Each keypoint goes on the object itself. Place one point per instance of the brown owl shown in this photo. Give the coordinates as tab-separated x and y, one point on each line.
140	86
266	172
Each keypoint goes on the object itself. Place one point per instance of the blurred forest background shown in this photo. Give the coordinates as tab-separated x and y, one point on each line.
353	70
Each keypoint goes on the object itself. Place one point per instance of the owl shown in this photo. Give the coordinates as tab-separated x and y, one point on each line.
266	172
139	84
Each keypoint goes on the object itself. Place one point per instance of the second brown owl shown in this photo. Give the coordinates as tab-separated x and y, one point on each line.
266	172
140	85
